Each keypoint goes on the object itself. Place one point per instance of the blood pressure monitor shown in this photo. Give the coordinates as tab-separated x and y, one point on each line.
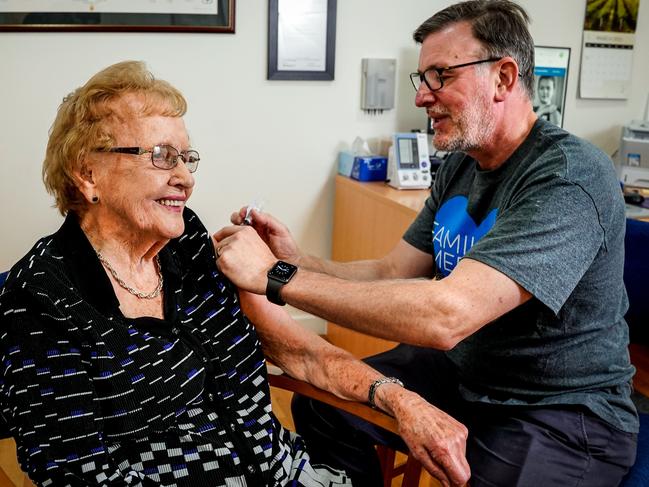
408	161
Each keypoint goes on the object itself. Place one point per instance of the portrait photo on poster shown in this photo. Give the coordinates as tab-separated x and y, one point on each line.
550	82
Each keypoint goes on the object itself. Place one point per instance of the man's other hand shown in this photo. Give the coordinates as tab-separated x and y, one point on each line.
273	232
243	257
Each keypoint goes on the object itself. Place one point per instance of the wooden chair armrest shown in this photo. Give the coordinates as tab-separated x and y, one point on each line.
411	468
361	410
4	479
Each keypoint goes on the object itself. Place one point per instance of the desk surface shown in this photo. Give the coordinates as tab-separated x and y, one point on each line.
637	212
414	199
411	199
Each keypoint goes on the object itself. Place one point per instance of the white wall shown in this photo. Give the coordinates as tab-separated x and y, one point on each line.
272	139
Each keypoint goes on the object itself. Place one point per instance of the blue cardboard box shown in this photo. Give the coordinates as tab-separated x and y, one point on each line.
362	168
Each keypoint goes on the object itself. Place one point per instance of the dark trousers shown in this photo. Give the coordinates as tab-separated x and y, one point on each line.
507	446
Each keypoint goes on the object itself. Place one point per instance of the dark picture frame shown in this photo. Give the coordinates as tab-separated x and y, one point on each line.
276	72
92	21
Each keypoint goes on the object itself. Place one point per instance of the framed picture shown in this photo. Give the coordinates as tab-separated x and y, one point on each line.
550	82
118	15
301	39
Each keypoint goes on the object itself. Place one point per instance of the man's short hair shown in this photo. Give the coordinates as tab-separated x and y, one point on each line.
499	25
81	123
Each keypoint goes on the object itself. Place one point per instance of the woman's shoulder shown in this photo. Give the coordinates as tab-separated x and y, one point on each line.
42	261
192	222
36	286
194	245
195	234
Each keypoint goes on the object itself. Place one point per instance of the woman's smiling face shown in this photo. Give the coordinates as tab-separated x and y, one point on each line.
135	197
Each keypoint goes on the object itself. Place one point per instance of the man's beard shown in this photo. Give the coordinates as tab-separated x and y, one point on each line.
470	129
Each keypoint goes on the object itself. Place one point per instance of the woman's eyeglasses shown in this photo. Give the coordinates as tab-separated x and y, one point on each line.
163	156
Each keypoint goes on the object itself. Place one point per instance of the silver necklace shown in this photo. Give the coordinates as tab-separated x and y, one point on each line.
153	294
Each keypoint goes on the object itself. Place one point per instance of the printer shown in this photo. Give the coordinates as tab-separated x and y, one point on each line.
633	160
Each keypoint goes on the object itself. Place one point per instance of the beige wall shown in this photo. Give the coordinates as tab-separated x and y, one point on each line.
258	138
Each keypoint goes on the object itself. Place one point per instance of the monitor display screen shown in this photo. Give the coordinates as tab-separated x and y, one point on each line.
408	153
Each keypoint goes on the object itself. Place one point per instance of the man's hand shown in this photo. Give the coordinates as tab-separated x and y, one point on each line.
274	233
243	257
436	439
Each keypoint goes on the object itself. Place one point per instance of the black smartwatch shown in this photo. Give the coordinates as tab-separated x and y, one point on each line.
278	276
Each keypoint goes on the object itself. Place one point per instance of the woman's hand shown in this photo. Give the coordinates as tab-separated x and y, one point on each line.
436	439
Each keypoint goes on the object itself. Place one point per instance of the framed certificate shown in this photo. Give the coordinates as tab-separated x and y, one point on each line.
301	39
117	15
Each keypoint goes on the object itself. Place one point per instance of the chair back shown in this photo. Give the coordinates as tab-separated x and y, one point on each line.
4	431
636	279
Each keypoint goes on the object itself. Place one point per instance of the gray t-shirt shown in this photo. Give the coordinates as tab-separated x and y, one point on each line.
552	219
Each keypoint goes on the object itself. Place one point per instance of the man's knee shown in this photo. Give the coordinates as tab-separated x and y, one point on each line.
547	446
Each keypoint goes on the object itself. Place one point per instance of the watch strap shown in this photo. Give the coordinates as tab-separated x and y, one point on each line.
273	288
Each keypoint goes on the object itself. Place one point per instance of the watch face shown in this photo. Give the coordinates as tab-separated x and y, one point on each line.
282	271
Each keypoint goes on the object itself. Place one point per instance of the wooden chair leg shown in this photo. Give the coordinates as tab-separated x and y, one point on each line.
412	473
386	459
411	468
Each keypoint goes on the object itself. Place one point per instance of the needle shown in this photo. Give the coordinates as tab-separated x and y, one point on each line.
257	206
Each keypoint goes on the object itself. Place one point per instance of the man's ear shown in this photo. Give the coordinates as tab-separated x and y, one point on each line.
508	75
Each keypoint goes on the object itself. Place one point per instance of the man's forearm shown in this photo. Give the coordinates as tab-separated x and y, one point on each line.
402	262
360	270
408	311
425	312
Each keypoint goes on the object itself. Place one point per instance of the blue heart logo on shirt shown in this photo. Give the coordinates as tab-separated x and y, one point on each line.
455	232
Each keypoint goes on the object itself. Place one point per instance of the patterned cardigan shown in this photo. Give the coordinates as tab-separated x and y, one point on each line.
95	398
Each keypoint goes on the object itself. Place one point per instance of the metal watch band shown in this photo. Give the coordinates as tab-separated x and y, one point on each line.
379	382
273	288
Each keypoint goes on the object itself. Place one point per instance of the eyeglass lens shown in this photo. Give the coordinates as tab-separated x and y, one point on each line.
432	79
166	157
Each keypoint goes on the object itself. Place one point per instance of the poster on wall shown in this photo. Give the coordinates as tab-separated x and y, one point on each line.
607	51
550	82
117	15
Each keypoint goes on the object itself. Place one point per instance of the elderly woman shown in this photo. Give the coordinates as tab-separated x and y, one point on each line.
128	358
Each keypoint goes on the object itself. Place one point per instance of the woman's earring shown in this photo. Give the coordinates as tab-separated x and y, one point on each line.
95	200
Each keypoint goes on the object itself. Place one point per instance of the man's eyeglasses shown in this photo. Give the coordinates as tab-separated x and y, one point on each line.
433	77
163	156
